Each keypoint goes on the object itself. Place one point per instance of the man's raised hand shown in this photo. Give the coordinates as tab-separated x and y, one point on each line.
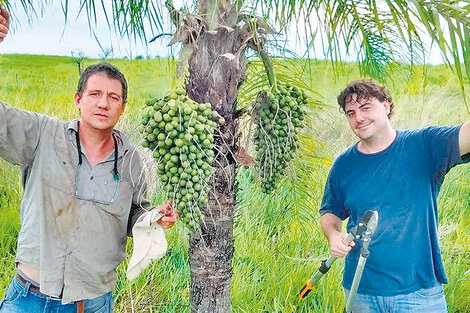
4	23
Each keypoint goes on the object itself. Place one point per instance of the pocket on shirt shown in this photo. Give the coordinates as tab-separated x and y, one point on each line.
121	192
103	190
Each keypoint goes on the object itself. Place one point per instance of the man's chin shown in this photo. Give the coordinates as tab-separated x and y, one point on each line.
363	136
363	133
103	126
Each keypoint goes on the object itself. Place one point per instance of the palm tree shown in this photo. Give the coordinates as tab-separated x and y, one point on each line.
215	36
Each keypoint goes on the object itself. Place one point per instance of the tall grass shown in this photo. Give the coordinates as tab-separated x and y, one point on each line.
278	241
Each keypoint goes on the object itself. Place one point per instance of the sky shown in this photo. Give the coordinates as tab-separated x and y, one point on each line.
48	34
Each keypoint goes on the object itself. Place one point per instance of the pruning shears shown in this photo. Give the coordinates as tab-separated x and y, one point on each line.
363	231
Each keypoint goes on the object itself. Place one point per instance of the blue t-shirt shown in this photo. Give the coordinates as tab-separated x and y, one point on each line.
402	183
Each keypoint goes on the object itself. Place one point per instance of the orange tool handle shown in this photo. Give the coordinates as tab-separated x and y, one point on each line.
305	290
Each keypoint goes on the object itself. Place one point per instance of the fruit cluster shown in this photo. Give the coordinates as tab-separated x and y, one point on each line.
279	113
180	134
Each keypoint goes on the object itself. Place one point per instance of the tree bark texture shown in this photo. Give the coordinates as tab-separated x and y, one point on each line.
217	68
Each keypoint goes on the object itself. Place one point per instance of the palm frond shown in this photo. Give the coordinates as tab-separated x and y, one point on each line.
379	33
448	25
31	8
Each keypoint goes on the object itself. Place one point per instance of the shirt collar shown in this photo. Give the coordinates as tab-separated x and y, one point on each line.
123	141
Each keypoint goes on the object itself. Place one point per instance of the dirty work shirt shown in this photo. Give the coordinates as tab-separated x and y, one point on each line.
76	242
402	183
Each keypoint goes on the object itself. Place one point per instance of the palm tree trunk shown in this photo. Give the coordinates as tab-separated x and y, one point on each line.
217	68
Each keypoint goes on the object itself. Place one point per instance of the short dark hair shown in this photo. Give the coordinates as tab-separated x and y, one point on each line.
365	88
106	68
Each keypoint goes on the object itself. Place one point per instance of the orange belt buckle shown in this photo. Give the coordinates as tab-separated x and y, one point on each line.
80	307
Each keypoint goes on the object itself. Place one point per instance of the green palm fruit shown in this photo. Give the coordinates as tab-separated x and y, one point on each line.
180	133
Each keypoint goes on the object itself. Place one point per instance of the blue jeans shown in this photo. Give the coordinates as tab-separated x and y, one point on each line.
19	299
420	301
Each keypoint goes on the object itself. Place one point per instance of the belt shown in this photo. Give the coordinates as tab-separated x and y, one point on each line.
32	288
35	289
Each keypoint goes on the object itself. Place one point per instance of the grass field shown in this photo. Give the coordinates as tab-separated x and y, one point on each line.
278	241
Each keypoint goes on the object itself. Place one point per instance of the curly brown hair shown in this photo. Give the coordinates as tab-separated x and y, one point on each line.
365	88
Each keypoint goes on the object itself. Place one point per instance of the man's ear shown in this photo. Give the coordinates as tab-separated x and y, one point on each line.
77	99
387	106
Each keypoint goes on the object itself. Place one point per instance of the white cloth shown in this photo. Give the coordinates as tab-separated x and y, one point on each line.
149	243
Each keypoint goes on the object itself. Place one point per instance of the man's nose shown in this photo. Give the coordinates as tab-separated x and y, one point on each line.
359	117
103	102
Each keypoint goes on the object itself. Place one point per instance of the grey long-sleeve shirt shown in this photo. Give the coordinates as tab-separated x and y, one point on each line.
70	231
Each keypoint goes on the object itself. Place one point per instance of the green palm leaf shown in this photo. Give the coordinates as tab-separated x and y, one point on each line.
376	31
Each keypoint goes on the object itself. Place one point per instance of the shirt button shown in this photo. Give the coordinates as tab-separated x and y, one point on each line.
148	233
70	253
91	178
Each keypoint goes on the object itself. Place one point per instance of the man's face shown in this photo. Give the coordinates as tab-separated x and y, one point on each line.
367	116
101	103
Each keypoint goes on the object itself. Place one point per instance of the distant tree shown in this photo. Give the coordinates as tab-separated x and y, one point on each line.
78	56
106	53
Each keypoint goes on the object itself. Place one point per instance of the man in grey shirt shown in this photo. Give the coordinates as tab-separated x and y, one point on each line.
83	191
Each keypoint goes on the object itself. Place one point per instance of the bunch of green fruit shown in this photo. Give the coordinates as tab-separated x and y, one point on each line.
279	114
180	134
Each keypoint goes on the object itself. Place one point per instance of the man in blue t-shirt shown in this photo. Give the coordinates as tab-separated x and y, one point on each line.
399	174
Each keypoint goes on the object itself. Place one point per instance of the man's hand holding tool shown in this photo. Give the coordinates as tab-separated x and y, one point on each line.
340	245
